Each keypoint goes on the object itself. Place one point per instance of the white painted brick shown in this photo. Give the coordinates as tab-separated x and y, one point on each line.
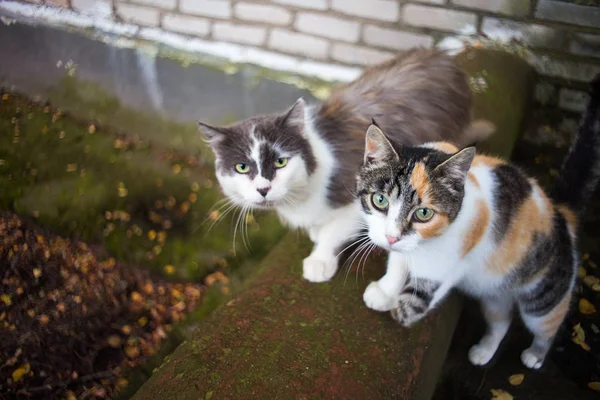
298	43
437	18
331	27
568	13
58	3
383	10
358	55
515	8
397	40
573	100
531	34
263	13
585	45
164	4
186	24
570	70
100	8
545	93
310	4
239	33
138	15
207	8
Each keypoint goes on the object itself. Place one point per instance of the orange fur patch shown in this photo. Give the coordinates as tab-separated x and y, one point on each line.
554	318
473	180
569	216
434	228
528	220
478	227
445	147
420	180
487	160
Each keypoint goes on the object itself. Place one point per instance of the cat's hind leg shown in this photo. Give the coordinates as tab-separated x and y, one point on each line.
544	328
497	312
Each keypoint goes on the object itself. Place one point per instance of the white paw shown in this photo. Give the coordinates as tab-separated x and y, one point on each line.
318	270
480	354
376	299
530	359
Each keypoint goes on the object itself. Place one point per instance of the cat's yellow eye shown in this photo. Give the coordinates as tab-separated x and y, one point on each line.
379	201
242	168
281	162
423	214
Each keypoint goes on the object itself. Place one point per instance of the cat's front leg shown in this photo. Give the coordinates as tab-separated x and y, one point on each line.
322	263
383	294
416	299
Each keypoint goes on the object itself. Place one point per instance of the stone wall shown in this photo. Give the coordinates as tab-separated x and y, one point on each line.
564	36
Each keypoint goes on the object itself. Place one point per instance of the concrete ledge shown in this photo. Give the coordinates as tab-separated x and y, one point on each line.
288	338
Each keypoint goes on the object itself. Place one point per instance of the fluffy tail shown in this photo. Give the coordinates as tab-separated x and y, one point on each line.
581	169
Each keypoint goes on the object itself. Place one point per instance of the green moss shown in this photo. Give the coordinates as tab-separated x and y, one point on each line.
147	204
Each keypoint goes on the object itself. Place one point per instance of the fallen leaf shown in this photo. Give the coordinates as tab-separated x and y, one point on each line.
114	341
132	351
499	394
136	297
581	272
142	321
37	272
6	299
586	308
152	234
195	187
169	269
590	280
20	372
516	379
594	386
578	337
176	168
92	128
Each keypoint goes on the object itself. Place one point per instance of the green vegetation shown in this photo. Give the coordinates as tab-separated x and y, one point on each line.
146	198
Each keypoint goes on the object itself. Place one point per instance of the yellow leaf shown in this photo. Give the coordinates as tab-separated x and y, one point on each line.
516	379
581	272
176	168
591	280
195	187
142	321
594	386
578	337
20	372
6	299
37	272
71	167
586	308
499	394
193	197
135	296
132	351
169	269
126	329
114	341
92	128
152	234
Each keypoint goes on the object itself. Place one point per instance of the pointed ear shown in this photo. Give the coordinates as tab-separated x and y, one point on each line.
213	134
295	115
377	146
456	167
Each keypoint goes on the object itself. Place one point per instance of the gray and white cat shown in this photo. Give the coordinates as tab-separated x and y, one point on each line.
453	219
303	163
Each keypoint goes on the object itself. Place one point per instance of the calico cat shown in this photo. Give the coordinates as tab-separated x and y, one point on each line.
455	219
303	162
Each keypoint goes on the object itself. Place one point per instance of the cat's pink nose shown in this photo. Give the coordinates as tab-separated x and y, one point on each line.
391	239
263	191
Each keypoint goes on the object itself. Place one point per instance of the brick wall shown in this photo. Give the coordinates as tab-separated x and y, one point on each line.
564	36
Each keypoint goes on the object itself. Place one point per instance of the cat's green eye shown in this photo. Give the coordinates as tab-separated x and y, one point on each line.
379	201
423	214
242	168
281	162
